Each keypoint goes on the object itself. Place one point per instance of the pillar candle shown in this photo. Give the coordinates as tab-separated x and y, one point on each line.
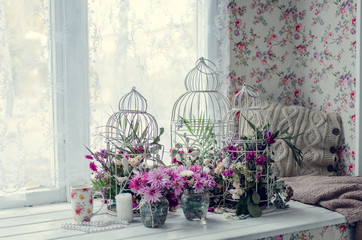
124	207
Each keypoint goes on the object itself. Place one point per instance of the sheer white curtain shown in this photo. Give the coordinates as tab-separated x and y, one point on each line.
150	45
26	125
65	64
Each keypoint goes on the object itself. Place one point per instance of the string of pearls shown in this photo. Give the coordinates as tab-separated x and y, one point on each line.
96	226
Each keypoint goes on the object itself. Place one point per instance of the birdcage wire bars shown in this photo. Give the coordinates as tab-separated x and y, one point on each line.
197	117
131	134
246	150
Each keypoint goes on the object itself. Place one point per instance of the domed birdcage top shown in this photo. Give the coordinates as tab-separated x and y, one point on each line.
202	98
202	77
132	120
133	102
246	98
246	118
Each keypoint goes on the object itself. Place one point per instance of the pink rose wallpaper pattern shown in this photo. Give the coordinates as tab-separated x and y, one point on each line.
298	52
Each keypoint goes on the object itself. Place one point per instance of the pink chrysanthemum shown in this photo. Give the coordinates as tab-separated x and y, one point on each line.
158	178
137	182
195	168
151	194
199	185
179	188
210	182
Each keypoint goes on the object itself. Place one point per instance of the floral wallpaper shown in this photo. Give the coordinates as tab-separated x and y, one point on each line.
299	52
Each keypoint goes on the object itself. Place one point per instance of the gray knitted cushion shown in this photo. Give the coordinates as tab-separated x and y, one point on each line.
319	142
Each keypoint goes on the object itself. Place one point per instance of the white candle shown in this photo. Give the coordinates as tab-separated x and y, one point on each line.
124	207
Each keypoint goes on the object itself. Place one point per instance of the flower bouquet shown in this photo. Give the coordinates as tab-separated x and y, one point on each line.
247	170
158	188
195	200
113	167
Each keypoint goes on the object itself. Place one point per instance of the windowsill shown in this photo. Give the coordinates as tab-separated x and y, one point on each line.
43	222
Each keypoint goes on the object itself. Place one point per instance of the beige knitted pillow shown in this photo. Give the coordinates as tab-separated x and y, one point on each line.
319	142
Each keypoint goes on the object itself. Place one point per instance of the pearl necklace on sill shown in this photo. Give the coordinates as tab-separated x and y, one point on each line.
96	226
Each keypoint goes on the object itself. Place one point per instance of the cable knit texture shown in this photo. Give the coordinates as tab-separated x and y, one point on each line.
319	141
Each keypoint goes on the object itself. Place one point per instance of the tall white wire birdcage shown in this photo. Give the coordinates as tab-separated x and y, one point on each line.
247	149
197	117
132	137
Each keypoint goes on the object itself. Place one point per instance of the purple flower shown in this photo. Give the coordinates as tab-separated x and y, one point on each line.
158	178
137	182
195	168
228	173
250	156
93	166
270	138
199	185
89	157
259	54
151	194
258	175
260	160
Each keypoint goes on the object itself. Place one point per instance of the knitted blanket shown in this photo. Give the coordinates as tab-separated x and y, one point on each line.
319	142
342	194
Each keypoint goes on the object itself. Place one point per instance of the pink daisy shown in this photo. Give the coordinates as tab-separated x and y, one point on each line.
195	168
157	177
199	185
137	182
151	194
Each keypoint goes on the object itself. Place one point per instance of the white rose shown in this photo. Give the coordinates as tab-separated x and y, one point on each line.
186	173
226	162
207	161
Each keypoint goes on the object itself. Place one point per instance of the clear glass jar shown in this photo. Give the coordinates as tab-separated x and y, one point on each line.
195	205
154	214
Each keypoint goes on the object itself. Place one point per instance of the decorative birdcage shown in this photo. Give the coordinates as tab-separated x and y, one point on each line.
197	117
247	153
132	137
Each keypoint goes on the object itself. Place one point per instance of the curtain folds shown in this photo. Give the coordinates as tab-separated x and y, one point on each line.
150	45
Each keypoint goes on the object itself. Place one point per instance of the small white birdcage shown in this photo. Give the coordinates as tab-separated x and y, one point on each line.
246	152
132	137
197	117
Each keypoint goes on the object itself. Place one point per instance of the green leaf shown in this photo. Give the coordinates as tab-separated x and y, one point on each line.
144	133
254	209
241	207
297	154
162	130
255	197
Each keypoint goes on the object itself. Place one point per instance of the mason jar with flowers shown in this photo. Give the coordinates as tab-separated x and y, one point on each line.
195	200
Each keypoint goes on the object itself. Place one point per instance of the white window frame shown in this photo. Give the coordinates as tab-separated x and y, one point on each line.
70	67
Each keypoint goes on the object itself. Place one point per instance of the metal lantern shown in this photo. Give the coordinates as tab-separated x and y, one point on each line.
132	137
246	145
197	117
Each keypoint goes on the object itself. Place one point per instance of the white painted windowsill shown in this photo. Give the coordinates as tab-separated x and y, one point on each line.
43	222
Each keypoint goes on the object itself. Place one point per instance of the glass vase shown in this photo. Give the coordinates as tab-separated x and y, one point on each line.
195	205
154	214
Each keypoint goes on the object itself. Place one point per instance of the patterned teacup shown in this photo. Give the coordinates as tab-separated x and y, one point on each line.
82	202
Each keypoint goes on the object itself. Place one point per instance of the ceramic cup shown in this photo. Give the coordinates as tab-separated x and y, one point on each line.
82	202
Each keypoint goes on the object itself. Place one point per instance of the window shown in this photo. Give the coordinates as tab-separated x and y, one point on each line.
63	67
